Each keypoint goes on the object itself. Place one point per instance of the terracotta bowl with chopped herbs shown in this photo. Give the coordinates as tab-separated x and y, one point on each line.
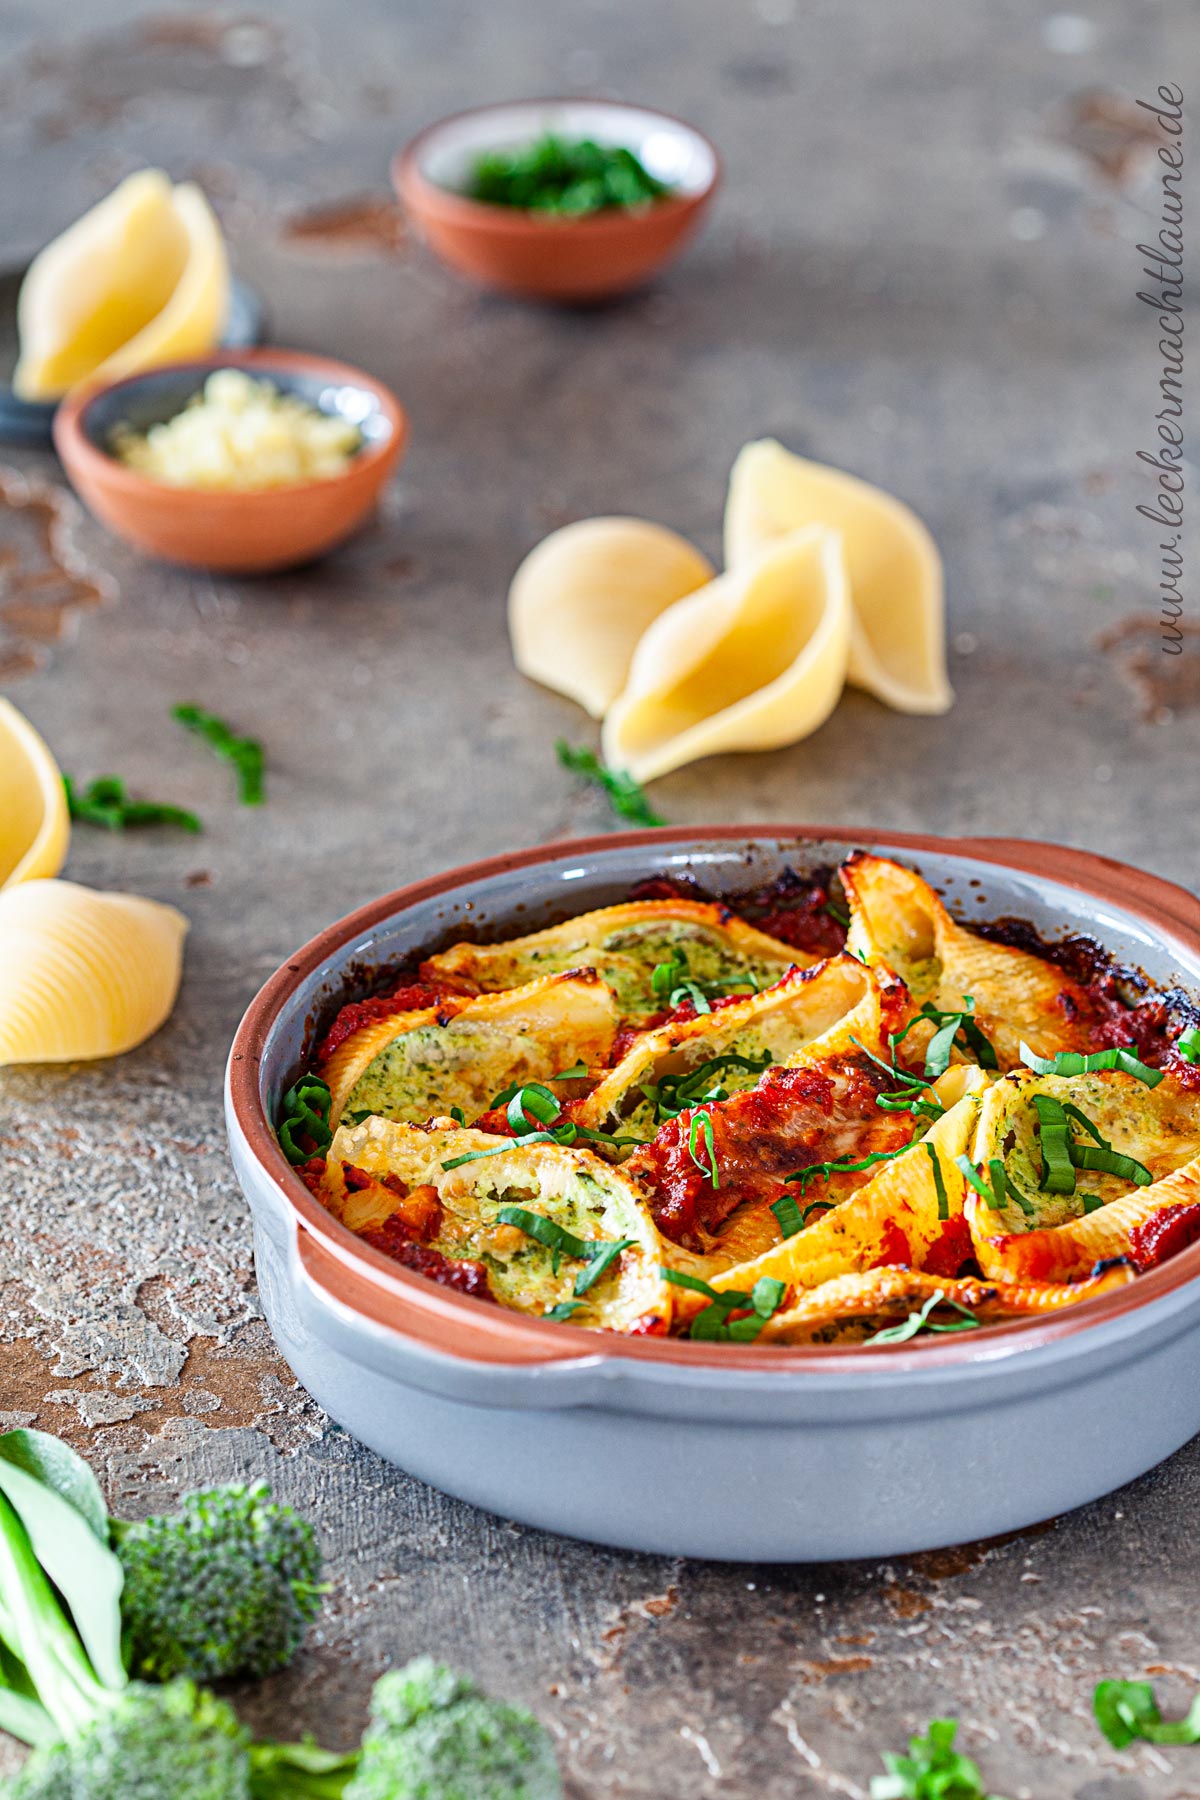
562	200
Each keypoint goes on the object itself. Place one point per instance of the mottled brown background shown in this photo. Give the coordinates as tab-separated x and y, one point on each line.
920	267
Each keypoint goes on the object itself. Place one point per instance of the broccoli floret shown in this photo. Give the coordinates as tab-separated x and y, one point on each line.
144	1743
224	1587
434	1735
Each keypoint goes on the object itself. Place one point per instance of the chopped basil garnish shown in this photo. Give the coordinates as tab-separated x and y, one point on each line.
702	1127
674	983
921	1321
563	1311
911	1095
528	1109
673	1094
843	1166
953	1028
625	795
597	1253
939	1185
246	754
837	913
1188	1044
1002	1187
1091	1203
787	1215
713	1323
305	1110
106	802
576	1072
1073	1062
1062	1154
1111	1162
531	1107
1058	1170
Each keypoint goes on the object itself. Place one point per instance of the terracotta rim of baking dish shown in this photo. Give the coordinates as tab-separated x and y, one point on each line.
368	1283
68	426
410	180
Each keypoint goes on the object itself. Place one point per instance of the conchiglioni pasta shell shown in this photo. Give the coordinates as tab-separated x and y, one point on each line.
897	919
581	600
1069	1252
801	1018
898	649
83	974
1158	1126
755	660
879	1294
413	1065
569	1186
624	944
34	826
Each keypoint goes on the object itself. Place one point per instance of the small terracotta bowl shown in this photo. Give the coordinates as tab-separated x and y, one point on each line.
236	533
545	256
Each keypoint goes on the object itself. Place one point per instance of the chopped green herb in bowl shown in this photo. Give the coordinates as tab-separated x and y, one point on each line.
560	175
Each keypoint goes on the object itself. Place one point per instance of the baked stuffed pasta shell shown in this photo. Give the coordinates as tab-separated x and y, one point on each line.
689	940
460	1053
808	1013
538	1227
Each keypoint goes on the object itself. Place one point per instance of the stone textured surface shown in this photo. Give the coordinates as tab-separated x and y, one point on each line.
921	268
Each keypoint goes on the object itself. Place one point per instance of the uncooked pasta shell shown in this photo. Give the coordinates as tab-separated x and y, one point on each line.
34	826
753	661
83	974
581	600
898	648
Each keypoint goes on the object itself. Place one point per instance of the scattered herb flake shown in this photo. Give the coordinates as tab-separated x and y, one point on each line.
106	802
625	795
246	754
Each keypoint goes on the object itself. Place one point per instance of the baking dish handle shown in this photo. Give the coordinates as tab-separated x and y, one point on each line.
348	1315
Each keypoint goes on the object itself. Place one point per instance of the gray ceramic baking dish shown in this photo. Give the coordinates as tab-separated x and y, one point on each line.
733	1451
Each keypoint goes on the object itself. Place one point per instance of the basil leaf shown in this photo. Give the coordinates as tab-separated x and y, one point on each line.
1073	1062
787	1215
1188	1044
843	1166
702	1126
1058	1169
547	1233
921	1321
599	1260
563	1311
766	1295
246	754
1111	1162
531	1106
939	1185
